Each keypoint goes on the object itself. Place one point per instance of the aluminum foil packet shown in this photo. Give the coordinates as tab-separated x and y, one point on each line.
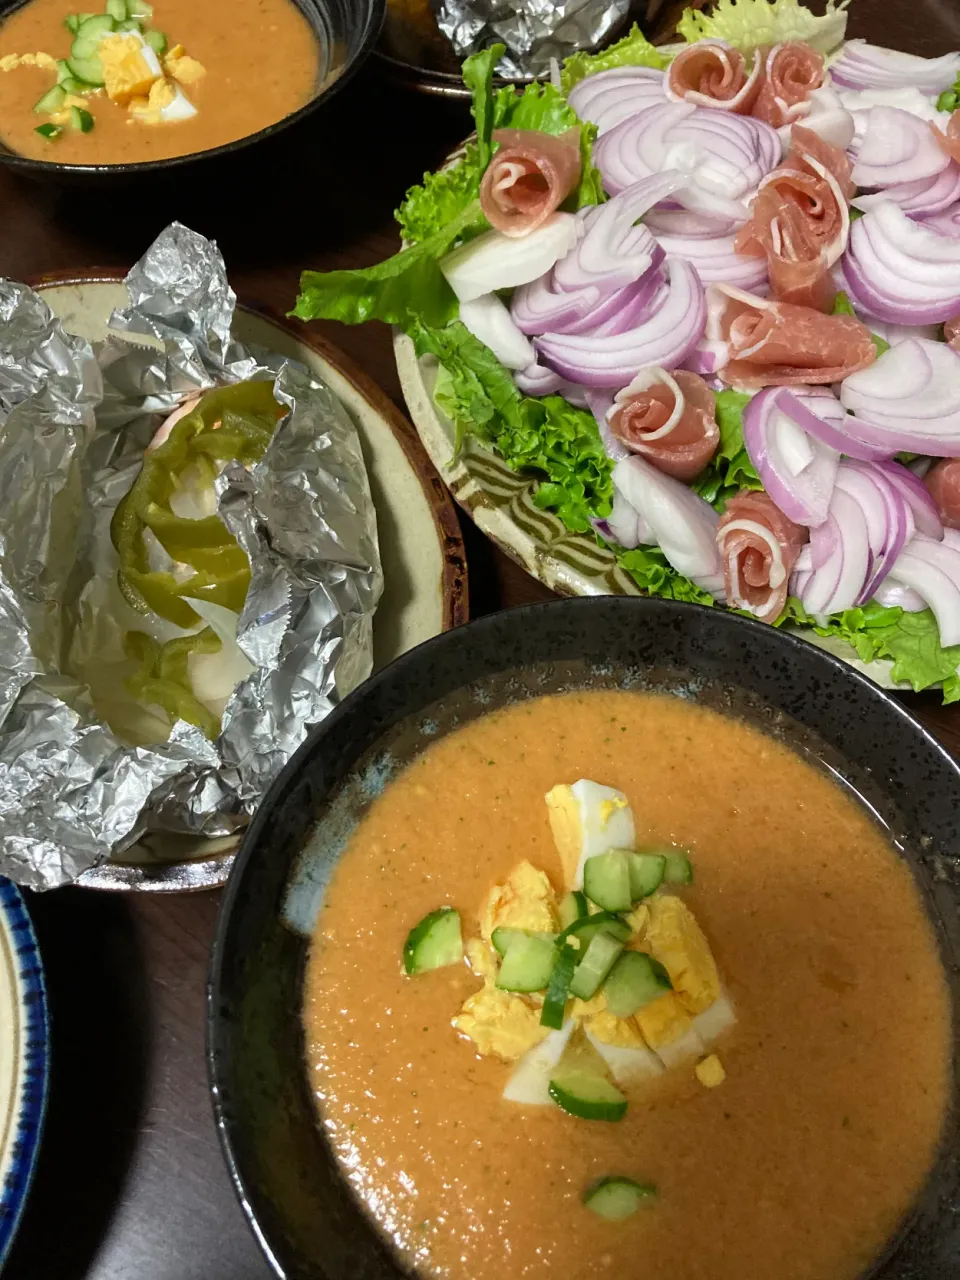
534	31
75	420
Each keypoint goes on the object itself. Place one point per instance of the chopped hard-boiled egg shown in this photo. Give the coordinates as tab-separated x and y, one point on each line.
524	901
11	61
130	66
481	959
669	1031
499	1023
628	1064
674	938
587	819
166	103
529	1082
180	66
713	1022
710	1072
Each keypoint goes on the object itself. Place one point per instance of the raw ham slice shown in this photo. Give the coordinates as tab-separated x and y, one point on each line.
943	481
951	331
670	419
529	178
950	138
759	547
788	75
801	221
712	74
778	344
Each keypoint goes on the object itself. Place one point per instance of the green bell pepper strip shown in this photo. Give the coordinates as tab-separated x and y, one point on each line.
163	676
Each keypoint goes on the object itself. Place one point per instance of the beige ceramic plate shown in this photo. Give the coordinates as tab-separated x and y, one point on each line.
501	504
424	568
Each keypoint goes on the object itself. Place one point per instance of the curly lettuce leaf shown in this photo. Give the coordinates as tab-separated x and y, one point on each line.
730	469
634	50
949	100
842	306
542	108
478	72
440	199
651	570
746	24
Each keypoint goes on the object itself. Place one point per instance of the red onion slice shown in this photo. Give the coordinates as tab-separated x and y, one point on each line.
538	381
682	524
894	595
716	260
909	399
901	270
870	66
918	199
932	570
896	148
831	577
917	497
889	520
827	117
797	469
946	223
665	337
610	97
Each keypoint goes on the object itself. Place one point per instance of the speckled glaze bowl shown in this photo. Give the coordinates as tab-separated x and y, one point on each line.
289	1183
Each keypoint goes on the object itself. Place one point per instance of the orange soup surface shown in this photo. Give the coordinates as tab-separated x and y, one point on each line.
799	1166
261	61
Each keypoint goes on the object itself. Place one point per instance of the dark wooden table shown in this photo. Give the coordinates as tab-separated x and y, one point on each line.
130	1182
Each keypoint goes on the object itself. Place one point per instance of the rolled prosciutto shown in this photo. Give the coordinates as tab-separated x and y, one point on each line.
788	75
759	547
670	419
711	73
943	482
949	138
801	221
951	331
529	178
772	343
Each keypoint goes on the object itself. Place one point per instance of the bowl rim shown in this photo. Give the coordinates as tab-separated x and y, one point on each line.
682	611
376	14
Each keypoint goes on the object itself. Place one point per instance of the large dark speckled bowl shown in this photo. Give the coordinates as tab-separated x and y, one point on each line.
290	1186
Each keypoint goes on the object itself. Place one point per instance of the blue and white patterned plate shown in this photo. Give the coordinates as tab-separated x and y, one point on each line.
24	1058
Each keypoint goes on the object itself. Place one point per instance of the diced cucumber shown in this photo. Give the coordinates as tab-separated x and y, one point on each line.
587	927
51	101
634	981
157	42
90	32
678	869
606	880
73	20
139	9
598	959
646	873
586	1094
80	119
572	907
558	990
48	131
88	71
528	963
434	943
617	1198
72	85
129	25
117	9
503	937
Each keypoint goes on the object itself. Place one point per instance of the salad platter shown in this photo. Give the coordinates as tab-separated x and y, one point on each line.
682	322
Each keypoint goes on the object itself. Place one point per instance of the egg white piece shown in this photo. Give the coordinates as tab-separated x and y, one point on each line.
606	822
181	108
529	1082
627	1064
684	1049
715	1021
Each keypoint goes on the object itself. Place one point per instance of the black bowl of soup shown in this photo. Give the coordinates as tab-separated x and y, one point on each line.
149	87
802	827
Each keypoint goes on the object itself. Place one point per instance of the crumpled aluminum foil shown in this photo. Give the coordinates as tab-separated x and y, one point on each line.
534	31
75	422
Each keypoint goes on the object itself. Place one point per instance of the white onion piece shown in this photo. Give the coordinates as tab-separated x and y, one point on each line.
921	198
535	380
901	270
721	154
624	526
889	520
610	97
683	525
932	570
897	147
870	66
917	496
599	402
894	595
909	399
194	498
665	337
827	117
894	333
214	676
490	323
495	261
797	470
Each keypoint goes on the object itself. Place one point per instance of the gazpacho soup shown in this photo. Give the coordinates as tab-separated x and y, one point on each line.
143	81
608	983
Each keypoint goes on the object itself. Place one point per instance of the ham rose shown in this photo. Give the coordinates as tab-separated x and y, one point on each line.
759	547
788	75
712	74
670	419
943	481
528	178
778	344
800	220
